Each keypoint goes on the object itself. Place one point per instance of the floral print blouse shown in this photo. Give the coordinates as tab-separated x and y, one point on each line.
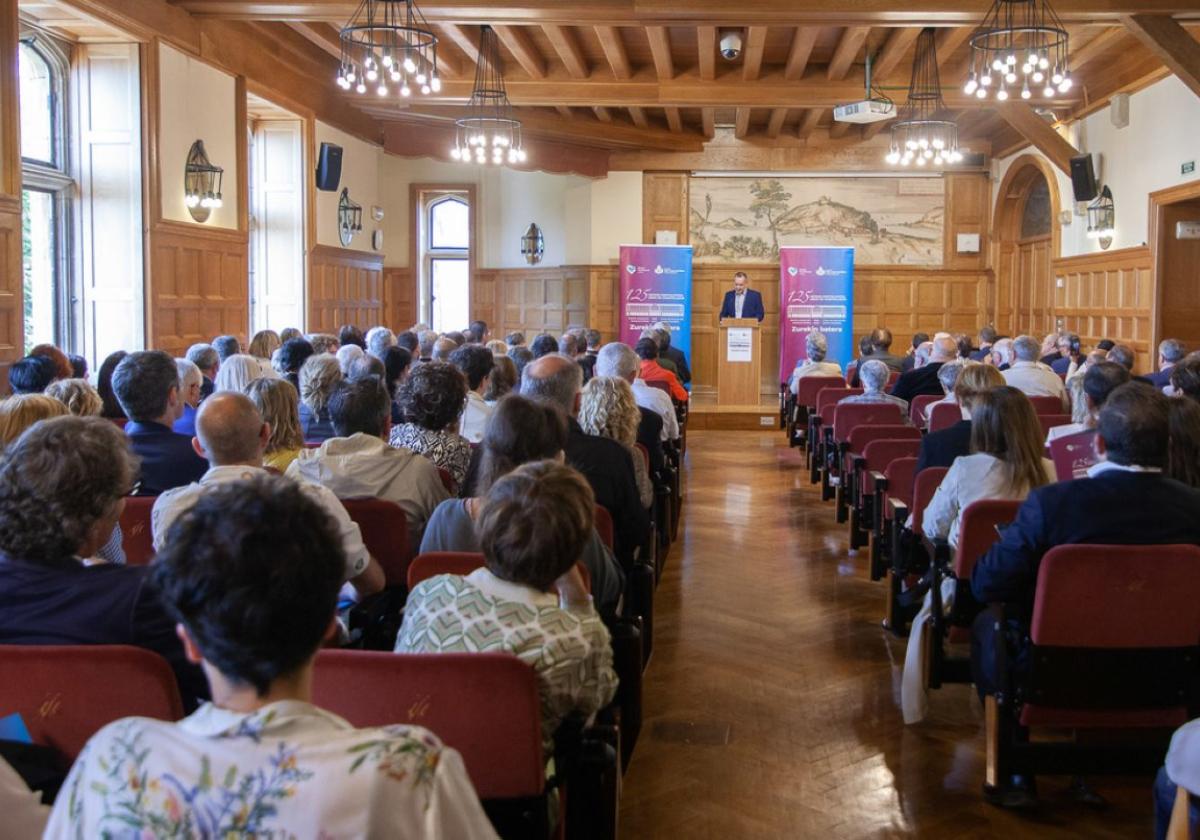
286	770
449	451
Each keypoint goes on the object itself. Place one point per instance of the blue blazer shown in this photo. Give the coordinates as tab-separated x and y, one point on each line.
751	308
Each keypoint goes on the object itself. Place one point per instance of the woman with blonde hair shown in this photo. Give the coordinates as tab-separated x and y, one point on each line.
263	346
609	410
80	398
279	405
319	378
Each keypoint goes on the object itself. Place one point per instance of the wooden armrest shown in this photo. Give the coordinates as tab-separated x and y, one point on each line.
898	509
939	551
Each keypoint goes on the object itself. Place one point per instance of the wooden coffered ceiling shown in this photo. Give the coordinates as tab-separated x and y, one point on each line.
646	75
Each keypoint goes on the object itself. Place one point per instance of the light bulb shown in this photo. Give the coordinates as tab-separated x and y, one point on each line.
1043	63
191	200
521	155
927	154
350	76
372	74
1032	59
435	84
937	160
1038	77
1025	94
939	143
422	78
1065	84
387	59
904	161
981	93
370	62
455	154
1057	77
425	89
985	80
1002	94
910	143
409	64
997	64
512	155
217	202
1026	69
395	74
381	90
405	90
957	156
1010	77
971	86
1048	92
893	157
1011	60
921	161
923	143
360	88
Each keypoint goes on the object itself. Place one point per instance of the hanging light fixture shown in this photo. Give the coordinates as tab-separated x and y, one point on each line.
1102	218
201	183
1020	49
489	133
387	46
924	134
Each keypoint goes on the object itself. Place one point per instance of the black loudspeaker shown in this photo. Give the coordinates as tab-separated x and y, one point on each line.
329	167
1083	178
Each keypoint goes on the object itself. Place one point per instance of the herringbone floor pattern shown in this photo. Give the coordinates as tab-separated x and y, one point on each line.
772	700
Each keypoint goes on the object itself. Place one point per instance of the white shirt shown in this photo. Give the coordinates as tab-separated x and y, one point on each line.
970	478
172	503
660	403
739	300
288	769
1105	466
1034	379
1183	756
810	368
475	417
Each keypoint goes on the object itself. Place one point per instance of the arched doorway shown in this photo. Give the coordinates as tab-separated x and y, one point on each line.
1027	239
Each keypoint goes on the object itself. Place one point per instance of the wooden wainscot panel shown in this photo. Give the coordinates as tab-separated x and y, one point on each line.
603	308
344	287
968	199
400	297
665	204
198	285
532	300
1109	294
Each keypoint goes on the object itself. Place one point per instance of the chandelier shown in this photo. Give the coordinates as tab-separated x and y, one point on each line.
925	132
489	133
388	42
1025	35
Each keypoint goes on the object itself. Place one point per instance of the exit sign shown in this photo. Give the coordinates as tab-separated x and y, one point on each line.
1187	168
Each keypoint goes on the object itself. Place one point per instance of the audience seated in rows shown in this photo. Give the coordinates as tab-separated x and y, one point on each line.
205	358
879	345
987	335
431	402
233	437
617	359
816	346
237	371
226	346
529	598
426	340
476	364
407	340
279	405
543	345
31	375
557	381
520	431
864	352
1183	455
1030	376
349	334
521	356
112	406
319	378
289	334
503	380
607	409
652	371
874	373
292	356
923	379
515	339
666	352
397	362
324	343
1100	380
1170	353
80	398
62	490
347	356
263	347
948	377
358	463
251	577
940	448
379	339
1185	377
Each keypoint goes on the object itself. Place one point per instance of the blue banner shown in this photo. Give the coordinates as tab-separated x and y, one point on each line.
656	285
816	292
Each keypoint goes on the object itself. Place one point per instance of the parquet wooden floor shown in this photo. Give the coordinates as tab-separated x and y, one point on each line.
772	700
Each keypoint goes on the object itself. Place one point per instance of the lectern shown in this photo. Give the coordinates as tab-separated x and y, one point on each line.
739	363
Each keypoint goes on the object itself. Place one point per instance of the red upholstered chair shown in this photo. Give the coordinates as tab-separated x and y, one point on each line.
137	537
908	555
916	408
944	415
846	418
604	525
1047	405
852	465
312	444
1115	638
1049	421
820	419
1073	454
448	481
66	693
894	482
805	404
881	449
385	533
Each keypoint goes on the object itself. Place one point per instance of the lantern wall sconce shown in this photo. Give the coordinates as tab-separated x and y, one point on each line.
1102	218
533	244
201	183
349	217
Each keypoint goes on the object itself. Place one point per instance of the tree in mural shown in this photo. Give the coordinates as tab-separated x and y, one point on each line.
770	202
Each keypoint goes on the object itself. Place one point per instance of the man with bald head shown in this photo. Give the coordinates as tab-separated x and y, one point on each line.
232	436
924	379
557	380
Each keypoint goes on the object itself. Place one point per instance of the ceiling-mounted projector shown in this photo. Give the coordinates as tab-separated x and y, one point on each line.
866	111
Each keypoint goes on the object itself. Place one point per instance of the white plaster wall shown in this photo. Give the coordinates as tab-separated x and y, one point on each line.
616	215
361	174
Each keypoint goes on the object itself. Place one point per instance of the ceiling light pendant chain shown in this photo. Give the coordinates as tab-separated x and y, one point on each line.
1020	49
925	133
387	46
489	133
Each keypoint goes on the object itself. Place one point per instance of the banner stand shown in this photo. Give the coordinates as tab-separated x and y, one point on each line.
816	292
656	285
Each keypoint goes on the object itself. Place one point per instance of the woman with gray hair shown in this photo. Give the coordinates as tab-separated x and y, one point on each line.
874	376
236	372
63	485
814	364
319	378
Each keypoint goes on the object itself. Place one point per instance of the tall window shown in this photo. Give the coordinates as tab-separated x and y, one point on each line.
46	190
447	266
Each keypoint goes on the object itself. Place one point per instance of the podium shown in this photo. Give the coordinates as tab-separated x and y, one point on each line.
739	362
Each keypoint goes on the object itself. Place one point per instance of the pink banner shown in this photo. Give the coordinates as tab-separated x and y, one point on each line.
816	291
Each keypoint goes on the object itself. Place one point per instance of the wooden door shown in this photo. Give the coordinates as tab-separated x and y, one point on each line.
1180	281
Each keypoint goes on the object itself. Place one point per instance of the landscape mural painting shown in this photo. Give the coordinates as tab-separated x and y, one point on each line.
888	221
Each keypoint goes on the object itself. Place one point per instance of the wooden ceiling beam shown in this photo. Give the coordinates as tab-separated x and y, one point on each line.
852	40
602	114
567	46
465	41
321	35
706	52
1100	45
614	51
411	138
741	123
708	121
809	122
872	129
564	111
660	49
639	117
840	129
1173	45
803	41
752	52
893	51
1038	132
948	42
674	121
775	123
518	42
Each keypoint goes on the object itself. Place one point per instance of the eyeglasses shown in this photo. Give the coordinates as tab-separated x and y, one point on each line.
133	491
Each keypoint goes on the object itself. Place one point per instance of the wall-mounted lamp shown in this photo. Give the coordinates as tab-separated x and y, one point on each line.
1102	218
533	244
349	217
201	183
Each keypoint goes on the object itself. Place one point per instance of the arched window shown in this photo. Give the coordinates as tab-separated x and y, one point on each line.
447	260
38	106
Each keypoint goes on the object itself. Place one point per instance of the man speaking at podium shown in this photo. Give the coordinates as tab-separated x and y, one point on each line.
742	302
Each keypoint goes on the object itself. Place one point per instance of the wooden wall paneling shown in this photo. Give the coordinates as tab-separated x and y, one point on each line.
200	285
1108	295
1174	263
10	107
603	308
12	304
344	287
533	300
968	200
665	204
399	298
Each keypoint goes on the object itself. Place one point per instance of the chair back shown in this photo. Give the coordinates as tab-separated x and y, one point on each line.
66	693
660	385
604	526
137	535
977	531
944	415
1049	421
828	397
880	453
893	378
1073	454
1116	634
900	473
847	417
924	486
862	436
462	563
645	455
1047	405
385	533
447	480
485	705
916	408
811	386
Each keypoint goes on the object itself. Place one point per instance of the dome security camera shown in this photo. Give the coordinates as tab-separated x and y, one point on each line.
731	44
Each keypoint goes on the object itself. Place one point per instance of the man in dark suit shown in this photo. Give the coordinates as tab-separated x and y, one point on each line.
987	335
742	301
147	386
557	380
204	356
1170	352
910	361
924	380
880	346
